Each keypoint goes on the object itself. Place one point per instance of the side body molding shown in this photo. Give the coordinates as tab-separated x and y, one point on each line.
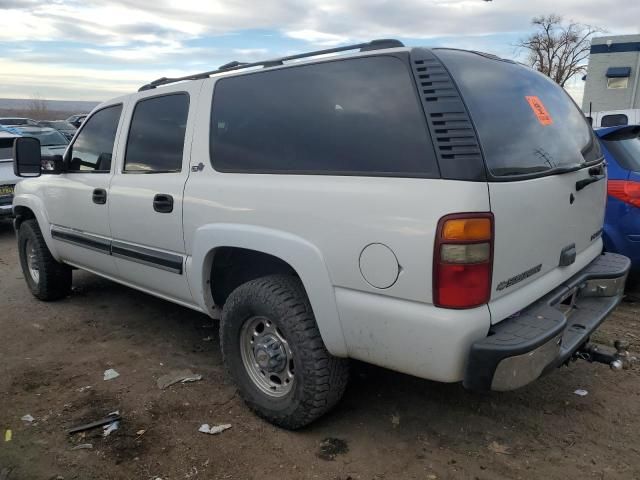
303	256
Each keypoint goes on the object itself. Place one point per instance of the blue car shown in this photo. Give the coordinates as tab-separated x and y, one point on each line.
621	147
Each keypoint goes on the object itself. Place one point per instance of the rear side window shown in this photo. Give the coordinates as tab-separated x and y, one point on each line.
93	147
526	123
624	145
614	120
156	134
358	116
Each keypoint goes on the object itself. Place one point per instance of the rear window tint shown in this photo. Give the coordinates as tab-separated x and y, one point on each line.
526	123
614	120
624	145
359	116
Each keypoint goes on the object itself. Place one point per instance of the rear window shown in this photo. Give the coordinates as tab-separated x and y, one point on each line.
526	123
624	145
614	120
349	117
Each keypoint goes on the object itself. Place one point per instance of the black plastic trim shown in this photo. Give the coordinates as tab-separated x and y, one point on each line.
165	261
453	134
170	262
82	239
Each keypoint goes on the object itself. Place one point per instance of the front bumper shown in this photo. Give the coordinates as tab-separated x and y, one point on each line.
547	333
6	210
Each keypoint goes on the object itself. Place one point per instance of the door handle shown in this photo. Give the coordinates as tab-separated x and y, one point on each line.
99	196
163	203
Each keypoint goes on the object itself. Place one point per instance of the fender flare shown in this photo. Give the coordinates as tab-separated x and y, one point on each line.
304	257
36	205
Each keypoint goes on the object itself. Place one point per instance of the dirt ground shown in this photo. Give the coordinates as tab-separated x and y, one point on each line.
389	426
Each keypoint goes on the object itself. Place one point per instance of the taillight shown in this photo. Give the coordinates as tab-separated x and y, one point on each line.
463	260
625	191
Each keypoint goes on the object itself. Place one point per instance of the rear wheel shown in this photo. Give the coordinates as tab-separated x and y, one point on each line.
47	279
272	348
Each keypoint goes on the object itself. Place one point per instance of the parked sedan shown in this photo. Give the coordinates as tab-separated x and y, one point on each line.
14	121
52	142
621	146
76	120
64	127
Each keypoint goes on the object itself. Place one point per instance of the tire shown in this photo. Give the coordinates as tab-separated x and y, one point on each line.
53	279
318	379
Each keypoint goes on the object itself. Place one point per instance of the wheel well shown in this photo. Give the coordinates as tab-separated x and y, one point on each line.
22	213
234	266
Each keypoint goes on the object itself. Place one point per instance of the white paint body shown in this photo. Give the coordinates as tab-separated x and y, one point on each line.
320	225
632	114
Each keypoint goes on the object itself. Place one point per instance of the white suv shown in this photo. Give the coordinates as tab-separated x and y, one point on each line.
437	212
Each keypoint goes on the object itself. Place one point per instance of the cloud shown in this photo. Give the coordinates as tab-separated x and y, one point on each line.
114	35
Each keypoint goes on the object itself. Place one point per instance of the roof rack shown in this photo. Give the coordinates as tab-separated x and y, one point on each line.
363	47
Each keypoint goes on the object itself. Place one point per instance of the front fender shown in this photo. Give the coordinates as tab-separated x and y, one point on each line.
304	257
36	205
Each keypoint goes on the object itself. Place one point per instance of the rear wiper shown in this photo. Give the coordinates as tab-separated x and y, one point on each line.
596	174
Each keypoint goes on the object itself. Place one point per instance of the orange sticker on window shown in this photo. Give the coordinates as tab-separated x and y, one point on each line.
540	111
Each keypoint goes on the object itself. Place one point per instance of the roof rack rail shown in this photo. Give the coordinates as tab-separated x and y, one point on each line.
363	47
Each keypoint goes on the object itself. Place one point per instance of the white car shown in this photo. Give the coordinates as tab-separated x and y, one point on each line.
434	211
8	179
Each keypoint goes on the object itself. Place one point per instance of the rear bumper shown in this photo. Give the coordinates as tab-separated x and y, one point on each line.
547	333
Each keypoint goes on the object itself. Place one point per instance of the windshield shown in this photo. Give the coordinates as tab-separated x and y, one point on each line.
47	137
526	123
16	121
624	145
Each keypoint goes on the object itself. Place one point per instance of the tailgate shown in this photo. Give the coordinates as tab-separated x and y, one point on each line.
536	221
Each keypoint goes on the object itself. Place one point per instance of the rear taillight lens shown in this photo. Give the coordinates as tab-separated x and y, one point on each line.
463	260
625	191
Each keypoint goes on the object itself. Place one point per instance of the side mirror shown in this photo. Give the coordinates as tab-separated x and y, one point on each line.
27	157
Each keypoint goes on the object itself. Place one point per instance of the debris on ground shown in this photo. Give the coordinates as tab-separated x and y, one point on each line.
496	447
395	420
140	432
109	419
215	429
581	393
207	339
110	374
8	435
82	389
177	376
83	446
27	418
330	448
110	428
4	473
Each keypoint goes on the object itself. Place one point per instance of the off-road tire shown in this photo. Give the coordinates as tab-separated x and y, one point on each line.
320	378
54	277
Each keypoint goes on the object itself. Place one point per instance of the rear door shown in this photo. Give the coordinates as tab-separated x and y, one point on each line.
147	189
538	149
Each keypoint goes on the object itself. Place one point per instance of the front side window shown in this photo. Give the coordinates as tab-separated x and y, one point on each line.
614	120
347	117
93	148
156	135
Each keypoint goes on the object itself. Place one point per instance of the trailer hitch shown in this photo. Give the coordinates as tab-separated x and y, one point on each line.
618	360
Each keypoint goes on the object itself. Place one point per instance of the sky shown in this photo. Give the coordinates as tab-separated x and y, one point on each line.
95	50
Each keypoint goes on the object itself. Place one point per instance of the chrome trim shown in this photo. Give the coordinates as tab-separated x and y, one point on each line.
520	370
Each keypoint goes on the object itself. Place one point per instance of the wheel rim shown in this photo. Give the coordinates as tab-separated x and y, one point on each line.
32	261
267	357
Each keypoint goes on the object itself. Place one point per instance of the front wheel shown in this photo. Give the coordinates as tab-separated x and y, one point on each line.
272	348
47	279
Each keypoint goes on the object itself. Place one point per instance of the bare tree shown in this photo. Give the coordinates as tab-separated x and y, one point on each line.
559	49
38	108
